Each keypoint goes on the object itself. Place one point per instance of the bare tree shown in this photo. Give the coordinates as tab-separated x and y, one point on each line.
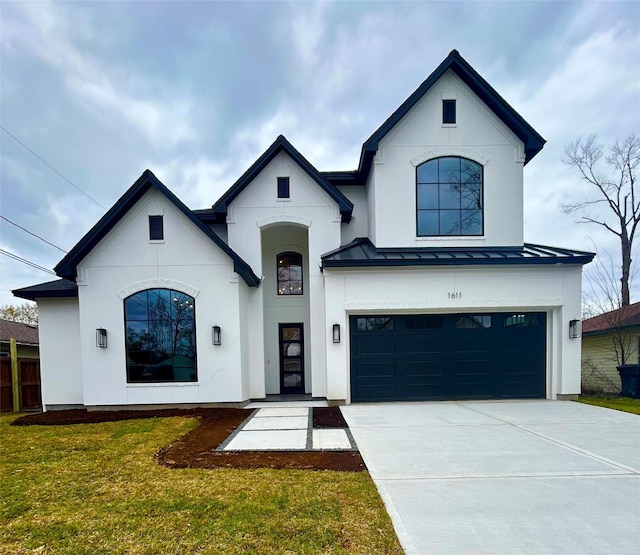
25	313
614	190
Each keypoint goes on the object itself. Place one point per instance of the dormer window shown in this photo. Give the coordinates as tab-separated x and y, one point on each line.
156	228
289	267
283	187
449	197
448	111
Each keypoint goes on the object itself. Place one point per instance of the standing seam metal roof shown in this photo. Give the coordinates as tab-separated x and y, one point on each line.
361	253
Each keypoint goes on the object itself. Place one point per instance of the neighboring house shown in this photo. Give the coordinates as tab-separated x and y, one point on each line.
26	336
26	395
604	340
405	279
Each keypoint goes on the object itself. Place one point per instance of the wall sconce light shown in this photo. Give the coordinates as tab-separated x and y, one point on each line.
575	328
101	338
216	335
336	333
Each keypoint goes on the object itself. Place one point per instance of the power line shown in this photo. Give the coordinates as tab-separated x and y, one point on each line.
51	167
27	262
31	233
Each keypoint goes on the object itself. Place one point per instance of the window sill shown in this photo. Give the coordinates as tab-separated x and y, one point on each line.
449	125
459	238
156	241
283	200
162	384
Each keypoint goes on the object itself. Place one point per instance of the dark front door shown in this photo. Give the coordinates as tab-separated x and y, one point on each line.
291	358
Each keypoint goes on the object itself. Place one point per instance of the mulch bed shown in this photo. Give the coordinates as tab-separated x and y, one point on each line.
196	448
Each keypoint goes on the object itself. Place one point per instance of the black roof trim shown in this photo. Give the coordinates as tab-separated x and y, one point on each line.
66	268
208	216
533	141
338	178
281	144
362	253
59	288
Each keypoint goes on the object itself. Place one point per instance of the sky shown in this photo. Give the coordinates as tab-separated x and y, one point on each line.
93	93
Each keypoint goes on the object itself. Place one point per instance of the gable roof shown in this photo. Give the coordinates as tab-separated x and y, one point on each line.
66	268
282	145
533	141
621	318
363	253
24	334
59	288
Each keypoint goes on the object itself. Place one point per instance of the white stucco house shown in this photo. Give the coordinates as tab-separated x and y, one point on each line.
405	279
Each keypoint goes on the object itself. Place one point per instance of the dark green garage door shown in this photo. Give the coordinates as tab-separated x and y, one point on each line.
449	356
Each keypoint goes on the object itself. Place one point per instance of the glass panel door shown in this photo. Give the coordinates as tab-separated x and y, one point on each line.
291	358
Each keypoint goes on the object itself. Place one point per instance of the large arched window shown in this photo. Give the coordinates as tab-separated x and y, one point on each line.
289	273
449	197
160	336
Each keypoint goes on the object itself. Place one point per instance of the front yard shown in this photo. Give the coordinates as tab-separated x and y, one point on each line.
95	488
625	404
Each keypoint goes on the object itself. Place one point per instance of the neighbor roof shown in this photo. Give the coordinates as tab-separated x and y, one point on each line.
59	288
533	141
362	253
24	334
281	145
621	318
66	268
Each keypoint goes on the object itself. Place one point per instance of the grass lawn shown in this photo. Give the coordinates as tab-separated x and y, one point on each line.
625	404
95	488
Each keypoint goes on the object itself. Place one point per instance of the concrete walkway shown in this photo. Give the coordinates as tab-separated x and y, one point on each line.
526	477
278	428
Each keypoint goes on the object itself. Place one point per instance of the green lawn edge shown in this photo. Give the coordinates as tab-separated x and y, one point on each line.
624	404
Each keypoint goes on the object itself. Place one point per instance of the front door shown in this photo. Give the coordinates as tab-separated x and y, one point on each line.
291	358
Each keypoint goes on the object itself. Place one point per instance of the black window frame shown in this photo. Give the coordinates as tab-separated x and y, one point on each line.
449	112
284	188
156	228
438	184
286	282
148	365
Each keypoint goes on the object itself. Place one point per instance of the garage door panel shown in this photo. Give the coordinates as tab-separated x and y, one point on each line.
375	346
453	356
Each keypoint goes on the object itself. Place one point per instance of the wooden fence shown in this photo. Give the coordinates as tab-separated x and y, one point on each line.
28	381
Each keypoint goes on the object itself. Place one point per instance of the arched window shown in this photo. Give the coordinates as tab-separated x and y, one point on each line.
160	336
449	197
289	266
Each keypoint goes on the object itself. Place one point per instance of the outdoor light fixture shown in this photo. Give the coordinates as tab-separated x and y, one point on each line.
336	333
574	329
216	335
101	338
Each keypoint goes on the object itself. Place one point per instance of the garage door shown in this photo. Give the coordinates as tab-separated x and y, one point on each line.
448	356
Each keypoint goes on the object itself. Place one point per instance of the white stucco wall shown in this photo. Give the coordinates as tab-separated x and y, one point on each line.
420	136
359	224
257	209
555	290
283	309
60	361
124	262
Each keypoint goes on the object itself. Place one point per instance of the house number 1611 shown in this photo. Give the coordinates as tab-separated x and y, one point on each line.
455	295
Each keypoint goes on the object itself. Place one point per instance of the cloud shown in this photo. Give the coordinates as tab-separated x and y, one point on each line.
50	34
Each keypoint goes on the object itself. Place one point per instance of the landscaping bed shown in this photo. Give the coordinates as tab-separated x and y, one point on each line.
196	449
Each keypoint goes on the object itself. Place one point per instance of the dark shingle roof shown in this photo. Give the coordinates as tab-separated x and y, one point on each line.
621	318
24	334
362	253
58	288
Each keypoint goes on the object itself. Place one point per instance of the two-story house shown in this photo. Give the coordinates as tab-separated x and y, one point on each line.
406	279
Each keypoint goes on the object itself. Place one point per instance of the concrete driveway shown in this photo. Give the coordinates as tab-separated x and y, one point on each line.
504	477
